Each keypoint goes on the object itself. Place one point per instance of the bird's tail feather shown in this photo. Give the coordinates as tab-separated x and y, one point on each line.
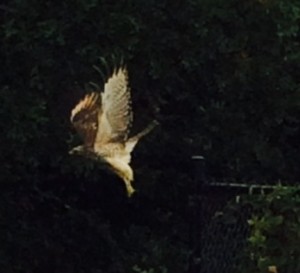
146	131
131	142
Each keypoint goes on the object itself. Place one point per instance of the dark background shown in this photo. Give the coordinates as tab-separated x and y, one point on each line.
221	77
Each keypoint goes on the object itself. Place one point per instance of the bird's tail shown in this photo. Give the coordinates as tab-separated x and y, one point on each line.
146	131
131	142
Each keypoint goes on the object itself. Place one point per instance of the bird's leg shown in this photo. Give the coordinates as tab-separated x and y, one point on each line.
129	188
123	170
127	176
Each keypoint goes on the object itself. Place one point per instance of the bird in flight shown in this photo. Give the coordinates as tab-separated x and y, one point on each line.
103	120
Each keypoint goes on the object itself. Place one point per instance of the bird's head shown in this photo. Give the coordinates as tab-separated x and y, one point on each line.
82	150
79	150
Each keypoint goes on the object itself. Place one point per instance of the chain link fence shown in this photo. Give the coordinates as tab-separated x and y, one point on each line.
222	222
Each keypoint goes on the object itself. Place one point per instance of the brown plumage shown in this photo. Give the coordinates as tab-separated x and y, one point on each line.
103	120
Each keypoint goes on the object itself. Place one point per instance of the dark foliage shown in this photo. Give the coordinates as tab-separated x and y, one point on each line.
222	77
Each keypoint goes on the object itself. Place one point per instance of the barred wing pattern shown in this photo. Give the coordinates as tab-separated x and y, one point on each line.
116	116
84	117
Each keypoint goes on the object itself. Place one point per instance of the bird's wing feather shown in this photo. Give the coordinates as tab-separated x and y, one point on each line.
84	117
116	117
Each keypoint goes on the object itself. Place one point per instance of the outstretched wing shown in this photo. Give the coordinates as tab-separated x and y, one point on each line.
116	117
84	117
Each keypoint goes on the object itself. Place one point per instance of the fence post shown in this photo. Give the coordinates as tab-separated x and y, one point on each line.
198	162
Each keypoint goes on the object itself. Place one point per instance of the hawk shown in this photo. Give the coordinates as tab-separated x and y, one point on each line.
103	120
